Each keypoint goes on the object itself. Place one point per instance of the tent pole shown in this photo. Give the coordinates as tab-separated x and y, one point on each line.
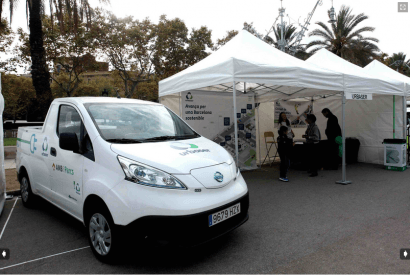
394	116
180	104
405	120
343	181
259	141
404	117
235	125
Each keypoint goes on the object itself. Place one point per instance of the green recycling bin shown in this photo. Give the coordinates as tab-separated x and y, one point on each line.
395	154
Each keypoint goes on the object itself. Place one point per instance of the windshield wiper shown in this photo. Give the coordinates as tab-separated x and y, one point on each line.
124	140
172	137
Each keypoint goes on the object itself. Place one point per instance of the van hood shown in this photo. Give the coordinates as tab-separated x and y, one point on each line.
175	157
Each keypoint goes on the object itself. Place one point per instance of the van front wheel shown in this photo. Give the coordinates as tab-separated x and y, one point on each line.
102	236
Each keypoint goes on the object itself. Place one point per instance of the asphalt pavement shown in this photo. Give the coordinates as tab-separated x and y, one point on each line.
308	225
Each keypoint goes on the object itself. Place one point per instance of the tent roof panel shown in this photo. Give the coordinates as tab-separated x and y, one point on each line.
249	59
356	78
378	68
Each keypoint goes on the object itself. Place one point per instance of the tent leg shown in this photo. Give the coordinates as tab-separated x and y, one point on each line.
235	125
405	121
343	181
259	141
394	116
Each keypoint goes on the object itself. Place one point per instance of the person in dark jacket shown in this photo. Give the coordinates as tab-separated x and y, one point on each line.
333	130
285	145
313	137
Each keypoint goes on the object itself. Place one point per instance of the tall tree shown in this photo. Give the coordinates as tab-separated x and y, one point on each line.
39	70
17	92
220	42
398	62
344	39
12	7
6	40
176	49
129	46
78	10
290	34
66	53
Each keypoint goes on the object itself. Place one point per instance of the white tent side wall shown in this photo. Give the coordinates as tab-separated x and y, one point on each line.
173	102
369	121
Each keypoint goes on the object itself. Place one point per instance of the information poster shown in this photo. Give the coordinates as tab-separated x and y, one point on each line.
211	115
296	112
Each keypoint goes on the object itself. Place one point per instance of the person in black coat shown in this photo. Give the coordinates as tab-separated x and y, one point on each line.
313	138
333	130
285	145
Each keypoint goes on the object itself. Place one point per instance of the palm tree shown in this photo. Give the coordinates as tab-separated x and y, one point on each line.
76	10
289	36
12	6
398	62
345	40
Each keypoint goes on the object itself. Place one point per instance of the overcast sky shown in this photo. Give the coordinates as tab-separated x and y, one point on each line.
392	27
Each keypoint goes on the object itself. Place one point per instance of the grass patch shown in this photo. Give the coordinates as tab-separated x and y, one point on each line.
10	141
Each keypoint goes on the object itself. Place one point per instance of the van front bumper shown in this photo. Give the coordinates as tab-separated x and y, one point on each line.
188	230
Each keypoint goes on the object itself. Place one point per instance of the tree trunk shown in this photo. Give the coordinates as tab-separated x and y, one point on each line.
39	70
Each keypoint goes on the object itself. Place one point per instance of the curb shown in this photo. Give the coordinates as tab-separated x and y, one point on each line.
13	193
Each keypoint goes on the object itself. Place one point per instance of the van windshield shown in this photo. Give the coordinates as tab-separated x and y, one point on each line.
136	123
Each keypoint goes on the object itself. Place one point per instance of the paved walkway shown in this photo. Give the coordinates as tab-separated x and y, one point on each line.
9	164
308	225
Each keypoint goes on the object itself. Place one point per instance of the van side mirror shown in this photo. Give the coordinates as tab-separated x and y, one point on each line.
69	141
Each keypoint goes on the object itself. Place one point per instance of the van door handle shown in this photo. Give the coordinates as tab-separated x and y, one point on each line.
53	151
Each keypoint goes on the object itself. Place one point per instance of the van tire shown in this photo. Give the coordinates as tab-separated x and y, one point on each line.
97	237
27	196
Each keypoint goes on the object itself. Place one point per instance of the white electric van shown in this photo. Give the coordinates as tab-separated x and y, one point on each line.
128	167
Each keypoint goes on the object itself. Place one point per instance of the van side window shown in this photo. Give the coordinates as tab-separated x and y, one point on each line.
69	121
88	150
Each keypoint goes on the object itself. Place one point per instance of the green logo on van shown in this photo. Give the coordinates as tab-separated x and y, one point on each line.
193	146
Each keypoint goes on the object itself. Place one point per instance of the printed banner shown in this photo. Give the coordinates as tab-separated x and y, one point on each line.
296	112
356	96
211	115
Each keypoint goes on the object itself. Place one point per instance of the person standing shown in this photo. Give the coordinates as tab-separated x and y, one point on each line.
284	121
332	131
285	145
313	137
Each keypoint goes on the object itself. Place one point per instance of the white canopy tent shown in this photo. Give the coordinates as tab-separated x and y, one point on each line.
248	59
357	80
379	69
361	81
271	74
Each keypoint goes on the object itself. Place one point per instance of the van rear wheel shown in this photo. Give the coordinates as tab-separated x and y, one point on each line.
27	195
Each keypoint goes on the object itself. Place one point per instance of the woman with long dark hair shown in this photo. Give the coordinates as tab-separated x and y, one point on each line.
284	121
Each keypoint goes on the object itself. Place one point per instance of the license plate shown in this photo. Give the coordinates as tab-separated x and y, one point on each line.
225	214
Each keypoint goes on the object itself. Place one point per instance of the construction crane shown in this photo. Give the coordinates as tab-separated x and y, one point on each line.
282	42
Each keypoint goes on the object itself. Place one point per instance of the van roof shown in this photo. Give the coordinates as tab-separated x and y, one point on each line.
82	100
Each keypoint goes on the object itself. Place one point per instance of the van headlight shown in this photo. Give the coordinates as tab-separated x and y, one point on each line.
235	170
149	176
